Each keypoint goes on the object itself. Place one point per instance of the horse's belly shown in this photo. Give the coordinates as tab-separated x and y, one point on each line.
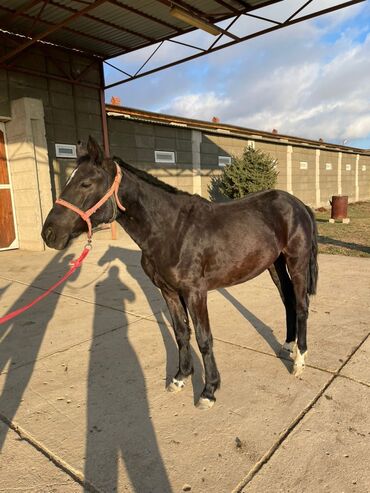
229	270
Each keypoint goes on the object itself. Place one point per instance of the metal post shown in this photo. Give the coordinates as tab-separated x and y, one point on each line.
113	226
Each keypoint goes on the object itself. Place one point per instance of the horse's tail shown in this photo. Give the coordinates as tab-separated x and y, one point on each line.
313	267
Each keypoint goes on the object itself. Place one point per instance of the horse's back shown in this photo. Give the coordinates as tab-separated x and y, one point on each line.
236	241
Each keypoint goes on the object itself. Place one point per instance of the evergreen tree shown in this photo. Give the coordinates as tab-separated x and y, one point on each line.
252	172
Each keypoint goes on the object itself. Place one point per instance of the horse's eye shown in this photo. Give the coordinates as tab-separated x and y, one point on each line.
85	184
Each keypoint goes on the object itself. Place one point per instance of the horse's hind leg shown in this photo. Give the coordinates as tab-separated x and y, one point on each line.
196	301
279	275
298	269
180	323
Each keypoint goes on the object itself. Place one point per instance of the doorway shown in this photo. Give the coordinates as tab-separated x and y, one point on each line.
8	230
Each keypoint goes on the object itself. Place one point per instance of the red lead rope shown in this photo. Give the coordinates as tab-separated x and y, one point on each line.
75	265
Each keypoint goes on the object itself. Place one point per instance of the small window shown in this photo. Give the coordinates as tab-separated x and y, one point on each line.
167	157
363	167
303	165
224	160
66	151
348	167
328	166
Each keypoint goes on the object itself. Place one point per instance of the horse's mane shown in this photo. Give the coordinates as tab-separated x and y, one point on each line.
143	175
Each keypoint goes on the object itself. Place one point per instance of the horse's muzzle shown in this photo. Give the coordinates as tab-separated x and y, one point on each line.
50	238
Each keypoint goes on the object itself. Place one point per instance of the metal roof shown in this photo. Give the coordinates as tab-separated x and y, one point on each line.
107	28
103	29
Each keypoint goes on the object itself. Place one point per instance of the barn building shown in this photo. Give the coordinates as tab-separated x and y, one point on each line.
52	95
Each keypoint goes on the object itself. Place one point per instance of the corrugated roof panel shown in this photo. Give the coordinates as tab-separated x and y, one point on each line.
126	24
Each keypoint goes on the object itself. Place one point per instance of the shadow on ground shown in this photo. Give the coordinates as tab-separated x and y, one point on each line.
261	328
326	240
118	417
22	338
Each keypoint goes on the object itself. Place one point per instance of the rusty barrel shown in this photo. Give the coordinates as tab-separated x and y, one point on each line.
339	206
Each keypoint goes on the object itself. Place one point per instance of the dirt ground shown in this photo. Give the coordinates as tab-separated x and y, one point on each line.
83	405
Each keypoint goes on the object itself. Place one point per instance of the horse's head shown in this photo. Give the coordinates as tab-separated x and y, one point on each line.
87	184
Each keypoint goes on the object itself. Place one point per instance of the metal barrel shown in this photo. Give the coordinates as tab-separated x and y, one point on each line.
339	206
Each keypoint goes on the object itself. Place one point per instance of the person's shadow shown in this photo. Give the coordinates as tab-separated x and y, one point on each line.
22	337
261	328
118	418
131	259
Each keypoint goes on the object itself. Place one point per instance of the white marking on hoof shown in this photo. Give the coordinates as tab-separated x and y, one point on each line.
299	362
204	403
176	385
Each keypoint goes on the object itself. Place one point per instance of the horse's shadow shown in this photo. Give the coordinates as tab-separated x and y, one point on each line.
261	328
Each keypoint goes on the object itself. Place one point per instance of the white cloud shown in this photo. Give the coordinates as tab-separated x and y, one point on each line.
311	79
199	106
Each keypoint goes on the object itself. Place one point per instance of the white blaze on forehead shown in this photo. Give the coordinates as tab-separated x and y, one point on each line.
71	176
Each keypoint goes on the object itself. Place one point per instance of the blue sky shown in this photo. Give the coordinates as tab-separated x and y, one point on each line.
311	80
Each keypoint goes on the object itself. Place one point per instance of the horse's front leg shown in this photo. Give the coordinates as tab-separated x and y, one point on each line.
180	323
196	301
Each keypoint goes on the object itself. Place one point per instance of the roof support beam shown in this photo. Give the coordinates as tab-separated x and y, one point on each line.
228	6
51	30
245	38
192	10
26	6
299	10
142	14
74	31
49	76
104	22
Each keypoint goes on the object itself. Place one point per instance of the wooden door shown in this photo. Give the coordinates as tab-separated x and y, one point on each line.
8	238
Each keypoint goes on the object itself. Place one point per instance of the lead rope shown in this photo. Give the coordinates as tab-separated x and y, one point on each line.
113	191
75	265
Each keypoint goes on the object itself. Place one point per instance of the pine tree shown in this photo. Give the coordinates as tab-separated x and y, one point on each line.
252	172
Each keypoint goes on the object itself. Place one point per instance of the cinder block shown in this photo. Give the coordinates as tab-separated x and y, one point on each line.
88	121
60	87
62	101
145	141
87	105
165	144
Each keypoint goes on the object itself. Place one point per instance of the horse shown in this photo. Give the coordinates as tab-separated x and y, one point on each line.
191	246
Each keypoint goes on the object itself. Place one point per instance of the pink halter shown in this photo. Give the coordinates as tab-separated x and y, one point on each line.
86	215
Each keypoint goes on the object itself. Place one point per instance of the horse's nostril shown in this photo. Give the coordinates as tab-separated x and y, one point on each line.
49	234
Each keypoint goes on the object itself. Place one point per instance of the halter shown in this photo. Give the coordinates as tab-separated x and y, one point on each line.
86	215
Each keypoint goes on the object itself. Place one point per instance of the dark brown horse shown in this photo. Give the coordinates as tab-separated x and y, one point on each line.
190	246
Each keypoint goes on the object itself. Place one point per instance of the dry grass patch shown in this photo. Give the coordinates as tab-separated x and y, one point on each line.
351	239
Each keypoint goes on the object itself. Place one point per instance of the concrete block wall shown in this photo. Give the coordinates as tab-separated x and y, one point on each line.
364	178
304	174
135	143
71	112
302	169
329	174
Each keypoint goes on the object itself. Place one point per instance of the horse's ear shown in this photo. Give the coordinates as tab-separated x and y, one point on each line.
81	149
94	151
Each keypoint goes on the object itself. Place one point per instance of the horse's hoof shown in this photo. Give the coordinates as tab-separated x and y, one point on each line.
297	370
299	362
176	385
203	404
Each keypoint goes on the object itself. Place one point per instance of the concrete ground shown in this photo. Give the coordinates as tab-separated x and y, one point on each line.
83	405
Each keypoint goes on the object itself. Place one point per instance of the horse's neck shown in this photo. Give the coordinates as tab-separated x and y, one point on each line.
150	210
